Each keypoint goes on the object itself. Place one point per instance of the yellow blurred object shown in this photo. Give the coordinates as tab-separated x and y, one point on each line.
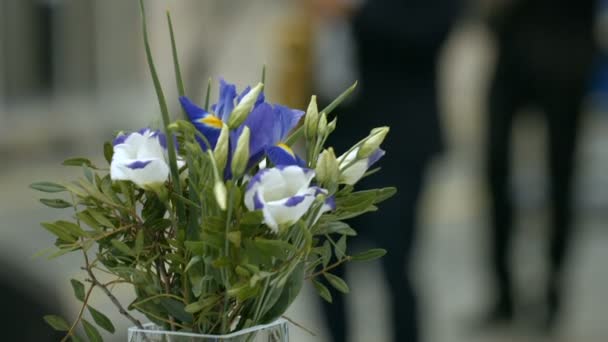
295	45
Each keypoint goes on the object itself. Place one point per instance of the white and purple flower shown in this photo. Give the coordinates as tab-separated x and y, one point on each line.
352	169
283	194
140	157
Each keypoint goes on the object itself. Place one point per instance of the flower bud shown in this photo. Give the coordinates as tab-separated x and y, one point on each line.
241	154
220	153
372	142
243	108
327	171
322	127
311	120
332	125
219	190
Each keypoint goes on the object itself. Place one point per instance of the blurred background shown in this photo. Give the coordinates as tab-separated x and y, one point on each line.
73	72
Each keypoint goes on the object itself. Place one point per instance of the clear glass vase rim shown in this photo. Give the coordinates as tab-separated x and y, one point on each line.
187	334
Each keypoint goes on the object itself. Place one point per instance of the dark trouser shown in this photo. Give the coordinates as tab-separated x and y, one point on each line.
512	89
392	228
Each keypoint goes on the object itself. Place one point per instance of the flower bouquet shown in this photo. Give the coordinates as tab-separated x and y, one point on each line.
213	219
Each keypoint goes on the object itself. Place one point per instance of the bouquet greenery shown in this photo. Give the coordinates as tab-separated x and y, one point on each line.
214	220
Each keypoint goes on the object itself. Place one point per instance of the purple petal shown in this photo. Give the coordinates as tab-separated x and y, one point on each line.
120	139
294	200
207	124
285	119
260	122
225	103
375	157
257	203
331	202
138	164
282	154
256	179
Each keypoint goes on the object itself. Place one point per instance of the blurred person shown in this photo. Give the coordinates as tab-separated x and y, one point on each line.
397	43
545	52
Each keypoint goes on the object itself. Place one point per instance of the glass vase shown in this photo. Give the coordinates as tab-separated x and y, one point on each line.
274	332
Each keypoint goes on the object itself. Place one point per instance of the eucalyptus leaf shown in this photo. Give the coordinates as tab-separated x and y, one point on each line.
340	248
368	255
58	231
47	187
176	309
122	247
57	323
55	203
78	161
288	294
322	290
78	288
91	331
108	151
337	282
101	320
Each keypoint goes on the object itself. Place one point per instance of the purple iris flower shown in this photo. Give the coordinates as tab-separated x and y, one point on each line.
268	124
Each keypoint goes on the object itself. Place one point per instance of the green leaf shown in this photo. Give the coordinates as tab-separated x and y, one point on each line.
252	217
108	151
57	322
384	194
194	307
290	291
122	247
340	248
195	247
88	173
322	290
86	217
55	203
158	224
139	242
100	218
337	227
101	320
208	93
71	228
178	73
326	253
176	309
337	282
277	248
76	338
58	231
91	331
47	187
164	114
78	161
78	289
368	255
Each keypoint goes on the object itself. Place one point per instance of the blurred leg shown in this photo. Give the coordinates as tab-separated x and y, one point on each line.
335	312
563	122
398	237
502	107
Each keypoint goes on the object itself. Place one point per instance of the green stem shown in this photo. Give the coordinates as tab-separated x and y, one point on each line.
165	115
227	254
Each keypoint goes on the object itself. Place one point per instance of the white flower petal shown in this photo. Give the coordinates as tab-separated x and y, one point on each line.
280	212
354	172
155	172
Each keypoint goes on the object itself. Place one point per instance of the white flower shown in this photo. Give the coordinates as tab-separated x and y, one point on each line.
283	194
140	157
351	169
